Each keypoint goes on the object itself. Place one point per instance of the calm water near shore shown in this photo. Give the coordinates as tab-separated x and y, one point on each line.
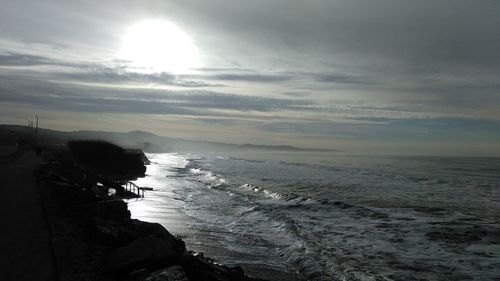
332	216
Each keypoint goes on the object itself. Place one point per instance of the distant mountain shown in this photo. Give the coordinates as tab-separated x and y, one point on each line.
150	142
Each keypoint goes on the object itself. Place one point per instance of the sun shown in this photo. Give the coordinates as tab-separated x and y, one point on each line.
155	46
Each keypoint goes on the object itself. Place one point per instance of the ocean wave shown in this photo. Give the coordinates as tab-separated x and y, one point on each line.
247	160
211	179
288	196
325	235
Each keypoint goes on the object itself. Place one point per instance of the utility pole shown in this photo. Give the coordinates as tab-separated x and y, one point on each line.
29	128
36	131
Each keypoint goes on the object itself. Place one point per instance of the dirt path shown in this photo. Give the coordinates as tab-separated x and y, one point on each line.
25	252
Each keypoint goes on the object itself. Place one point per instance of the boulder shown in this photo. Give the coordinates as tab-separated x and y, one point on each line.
173	273
124	232
200	268
139	228
149	252
111	231
108	210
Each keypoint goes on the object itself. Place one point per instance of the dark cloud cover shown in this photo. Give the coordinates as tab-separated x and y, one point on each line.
149	101
386	69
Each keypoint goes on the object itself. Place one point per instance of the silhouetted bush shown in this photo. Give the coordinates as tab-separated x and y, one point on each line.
107	158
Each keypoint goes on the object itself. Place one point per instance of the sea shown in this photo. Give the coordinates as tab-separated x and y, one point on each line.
331	215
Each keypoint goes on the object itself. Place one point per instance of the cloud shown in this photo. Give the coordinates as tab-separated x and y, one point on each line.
297	94
9	59
122	75
12	59
251	77
341	78
93	72
84	98
323	68
387	129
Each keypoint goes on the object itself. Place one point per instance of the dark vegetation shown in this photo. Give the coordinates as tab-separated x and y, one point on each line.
107	158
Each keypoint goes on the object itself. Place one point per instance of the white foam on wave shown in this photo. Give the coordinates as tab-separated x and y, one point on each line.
210	178
273	195
323	237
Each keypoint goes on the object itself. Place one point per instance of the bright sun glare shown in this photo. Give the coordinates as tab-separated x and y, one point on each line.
155	46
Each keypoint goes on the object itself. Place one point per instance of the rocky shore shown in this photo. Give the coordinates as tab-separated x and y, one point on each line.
94	237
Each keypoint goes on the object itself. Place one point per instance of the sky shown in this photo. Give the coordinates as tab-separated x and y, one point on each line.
385	76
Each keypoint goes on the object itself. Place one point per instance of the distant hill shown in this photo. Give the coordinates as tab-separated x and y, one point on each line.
149	142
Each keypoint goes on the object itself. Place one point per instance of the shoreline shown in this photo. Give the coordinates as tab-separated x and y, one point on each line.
85	234
165	205
97	238
175	222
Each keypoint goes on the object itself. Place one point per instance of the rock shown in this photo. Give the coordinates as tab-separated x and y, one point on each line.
111	231
108	210
124	232
173	273
150	252
203	269
143	247
96	192
145	159
139	228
